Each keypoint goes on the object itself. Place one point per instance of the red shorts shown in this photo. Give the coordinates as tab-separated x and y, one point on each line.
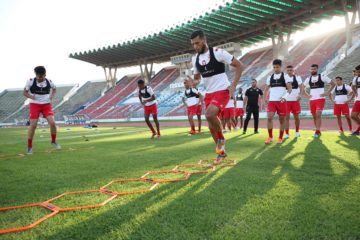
356	107
194	110
218	99
293	107
317	105
341	109
278	107
239	112
152	109
229	113
45	109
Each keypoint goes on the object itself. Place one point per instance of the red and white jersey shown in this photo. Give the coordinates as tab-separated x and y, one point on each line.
217	82
354	83
39	99
295	92
147	93
276	93
230	104
191	100
341	99
316	92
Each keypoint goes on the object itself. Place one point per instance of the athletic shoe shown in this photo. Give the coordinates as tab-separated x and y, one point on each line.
220	147
316	135
355	133
286	136
220	157
56	146
280	141
298	134
244	132
269	140
29	151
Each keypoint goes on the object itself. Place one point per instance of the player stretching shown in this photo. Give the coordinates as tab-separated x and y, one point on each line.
41	92
341	102
193	99
316	83
148	100
277	84
239	111
293	101
209	63
355	112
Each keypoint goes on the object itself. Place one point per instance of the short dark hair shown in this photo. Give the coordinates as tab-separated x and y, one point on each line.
277	62
140	81
40	70
289	66
315	65
197	33
340	78
254	80
357	67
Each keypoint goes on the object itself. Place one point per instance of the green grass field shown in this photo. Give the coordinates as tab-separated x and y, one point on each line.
302	189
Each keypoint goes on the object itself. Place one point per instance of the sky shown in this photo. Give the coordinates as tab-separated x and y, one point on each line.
45	32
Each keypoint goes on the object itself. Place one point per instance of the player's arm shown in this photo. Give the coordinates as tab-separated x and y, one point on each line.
354	90
152	98
305	86
266	93
331	98
28	95
328	92
201	99
245	101
184	102
239	68
302	89
141	101
351	94
289	89
53	93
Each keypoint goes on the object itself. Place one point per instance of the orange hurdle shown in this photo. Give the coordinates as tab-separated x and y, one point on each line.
207	168
186	176
105	188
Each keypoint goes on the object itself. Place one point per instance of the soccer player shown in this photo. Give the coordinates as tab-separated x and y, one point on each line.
293	101
41	92
251	104
279	85
209	63
148	100
229	113
239	110
341	102
193	99
355	112
316	82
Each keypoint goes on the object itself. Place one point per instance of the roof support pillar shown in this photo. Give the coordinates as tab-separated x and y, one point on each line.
145	73
110	76
349	24
280	42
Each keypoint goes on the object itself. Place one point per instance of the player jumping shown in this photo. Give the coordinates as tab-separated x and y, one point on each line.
209	63
41	92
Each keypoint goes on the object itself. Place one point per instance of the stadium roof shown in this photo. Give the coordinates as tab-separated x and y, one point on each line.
244	21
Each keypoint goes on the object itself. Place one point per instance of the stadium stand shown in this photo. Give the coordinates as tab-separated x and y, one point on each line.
11	100
86	94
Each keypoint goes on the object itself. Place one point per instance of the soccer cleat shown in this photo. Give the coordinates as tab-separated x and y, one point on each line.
355	133
29	151
298	134
56	146
280	141
220	147
286	136
269	140
220	158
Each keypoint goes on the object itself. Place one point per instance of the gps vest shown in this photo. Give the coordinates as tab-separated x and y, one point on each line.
191	94
214	67
342	91
277	82
34	89
239	97
318	84
146	94
295	84
357	82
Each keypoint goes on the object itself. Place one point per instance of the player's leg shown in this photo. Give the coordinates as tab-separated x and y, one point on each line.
53	131
155	117
297	124
213	120
287	125
241	121
192	124
356	117
247	119
147	120
339	122
348	120
199	122
270	117
282	112
318	115
256	120
31	133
